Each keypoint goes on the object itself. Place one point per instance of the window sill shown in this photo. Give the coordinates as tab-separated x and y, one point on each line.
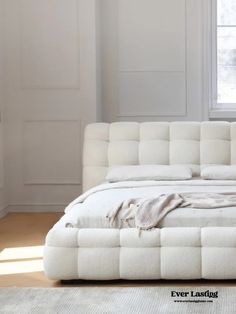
222	114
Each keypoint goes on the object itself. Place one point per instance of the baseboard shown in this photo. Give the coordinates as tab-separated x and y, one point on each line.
3	212
36	208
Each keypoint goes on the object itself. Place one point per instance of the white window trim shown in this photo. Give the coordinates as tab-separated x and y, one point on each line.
210	65
213	61
206	53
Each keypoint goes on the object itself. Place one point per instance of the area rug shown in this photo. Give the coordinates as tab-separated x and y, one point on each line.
118	300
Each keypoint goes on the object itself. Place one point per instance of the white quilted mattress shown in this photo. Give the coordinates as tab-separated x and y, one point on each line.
90	209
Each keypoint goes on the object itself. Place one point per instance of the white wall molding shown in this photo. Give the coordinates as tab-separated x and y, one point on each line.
54	64
136	80
56	145
3	212
128	73
35	208
51	86
46	98
32	208
154	44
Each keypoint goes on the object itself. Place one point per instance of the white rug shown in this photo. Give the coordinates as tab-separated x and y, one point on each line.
117	300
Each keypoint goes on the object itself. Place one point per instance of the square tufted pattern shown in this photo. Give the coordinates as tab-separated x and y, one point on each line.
167	253
195	144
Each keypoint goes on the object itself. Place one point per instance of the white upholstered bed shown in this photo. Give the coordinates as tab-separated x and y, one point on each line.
189	243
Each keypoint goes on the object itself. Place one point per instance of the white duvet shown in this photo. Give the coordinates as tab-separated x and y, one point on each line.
90	209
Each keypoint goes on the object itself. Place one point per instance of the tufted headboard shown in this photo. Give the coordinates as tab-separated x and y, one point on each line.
129	143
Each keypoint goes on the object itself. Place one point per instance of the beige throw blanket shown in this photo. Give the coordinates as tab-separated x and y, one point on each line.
147	213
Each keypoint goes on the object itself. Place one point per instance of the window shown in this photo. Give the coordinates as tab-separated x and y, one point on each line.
224	54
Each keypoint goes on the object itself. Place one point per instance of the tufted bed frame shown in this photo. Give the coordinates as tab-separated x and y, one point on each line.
166	253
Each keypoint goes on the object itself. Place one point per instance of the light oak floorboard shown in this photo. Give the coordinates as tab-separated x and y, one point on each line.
19	230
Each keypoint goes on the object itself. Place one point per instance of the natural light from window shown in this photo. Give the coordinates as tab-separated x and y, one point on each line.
226	53
18	260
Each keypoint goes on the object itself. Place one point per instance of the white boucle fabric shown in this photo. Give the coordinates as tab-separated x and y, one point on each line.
192	244
180	262
90	209
191	144
148	172
218	262
219	173
167	253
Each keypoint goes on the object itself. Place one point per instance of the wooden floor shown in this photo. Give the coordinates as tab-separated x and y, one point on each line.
21	239
21	234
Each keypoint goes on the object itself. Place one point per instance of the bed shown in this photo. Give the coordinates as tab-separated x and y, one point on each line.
189	243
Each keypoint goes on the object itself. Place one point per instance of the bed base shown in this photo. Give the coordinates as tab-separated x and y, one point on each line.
167	253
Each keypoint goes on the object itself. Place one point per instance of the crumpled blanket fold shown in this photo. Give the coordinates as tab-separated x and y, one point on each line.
147	213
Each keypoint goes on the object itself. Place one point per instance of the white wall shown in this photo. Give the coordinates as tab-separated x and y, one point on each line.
152	60
3	192
51	94
70	62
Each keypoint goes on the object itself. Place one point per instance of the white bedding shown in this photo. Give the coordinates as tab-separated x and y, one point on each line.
90	209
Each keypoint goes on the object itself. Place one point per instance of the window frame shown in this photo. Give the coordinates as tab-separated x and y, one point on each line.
217	110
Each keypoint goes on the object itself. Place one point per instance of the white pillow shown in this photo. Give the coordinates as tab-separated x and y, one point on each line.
148	172
219	173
